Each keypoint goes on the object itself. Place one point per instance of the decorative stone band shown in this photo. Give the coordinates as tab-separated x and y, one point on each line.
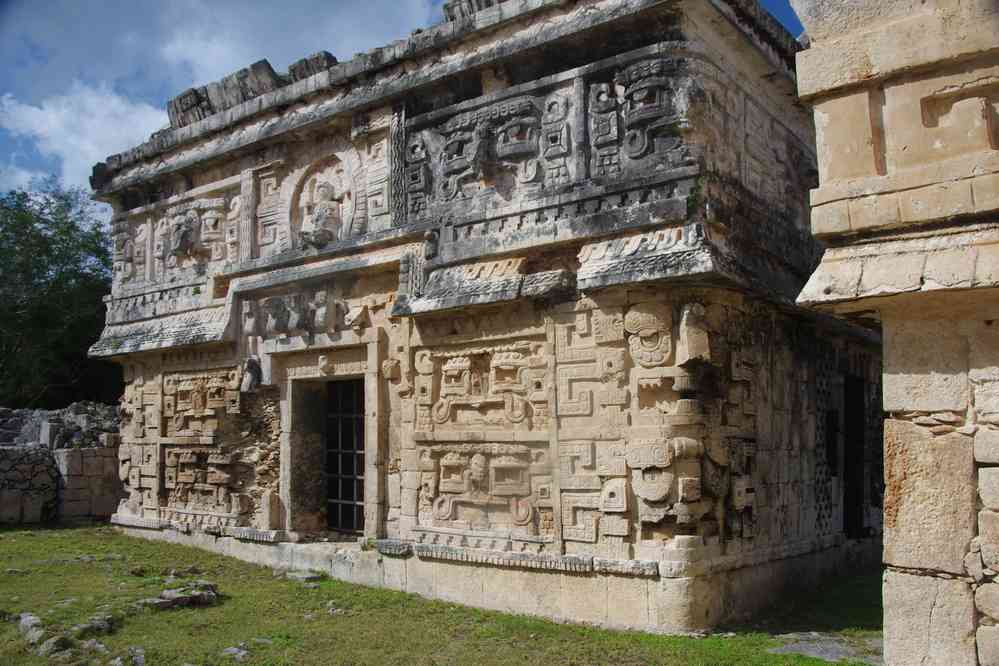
571	217
394	547
968	259
258	536
698	558
179	330
450	288
567	563
654	255
241	533
643	568
209	325
136	521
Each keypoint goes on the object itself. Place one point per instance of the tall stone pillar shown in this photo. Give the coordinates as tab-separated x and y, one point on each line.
906	101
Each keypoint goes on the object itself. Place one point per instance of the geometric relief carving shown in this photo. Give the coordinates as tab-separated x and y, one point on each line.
487	486
580	360
580	402
634	122
614	496
615	525
487	387
580	517
193	402
652	484
611	459
200	484
461	396
180	475
577	469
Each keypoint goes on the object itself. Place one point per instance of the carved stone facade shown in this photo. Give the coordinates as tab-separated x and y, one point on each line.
520	320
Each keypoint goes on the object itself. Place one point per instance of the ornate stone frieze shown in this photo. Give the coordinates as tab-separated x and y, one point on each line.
567	563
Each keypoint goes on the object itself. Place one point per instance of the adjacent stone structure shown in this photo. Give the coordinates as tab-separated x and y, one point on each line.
58	464
906	100
513	302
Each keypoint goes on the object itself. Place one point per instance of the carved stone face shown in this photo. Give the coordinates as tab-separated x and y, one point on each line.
517	138
647	100
648	93
478	468
416	151
182	235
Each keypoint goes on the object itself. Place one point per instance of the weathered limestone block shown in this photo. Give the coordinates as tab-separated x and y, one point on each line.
987	446
685	604
988	646
930	502
928	621
926	366
987	599
988	532
988	486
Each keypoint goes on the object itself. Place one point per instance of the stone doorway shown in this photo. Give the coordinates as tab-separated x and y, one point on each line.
343	464
854	457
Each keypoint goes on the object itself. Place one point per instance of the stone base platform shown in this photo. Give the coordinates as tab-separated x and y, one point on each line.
631	598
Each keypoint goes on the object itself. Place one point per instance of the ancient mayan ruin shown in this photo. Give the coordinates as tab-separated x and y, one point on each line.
508	314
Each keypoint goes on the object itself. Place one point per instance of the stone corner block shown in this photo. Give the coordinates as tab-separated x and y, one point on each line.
988	646
930	501
928	620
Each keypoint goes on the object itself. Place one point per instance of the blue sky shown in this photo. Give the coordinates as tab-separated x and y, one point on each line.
88	78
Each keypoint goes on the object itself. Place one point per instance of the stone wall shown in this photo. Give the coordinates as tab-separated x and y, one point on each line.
59	463
29	484
88	482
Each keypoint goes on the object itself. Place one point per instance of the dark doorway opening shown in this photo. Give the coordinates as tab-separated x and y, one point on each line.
854	453
344	462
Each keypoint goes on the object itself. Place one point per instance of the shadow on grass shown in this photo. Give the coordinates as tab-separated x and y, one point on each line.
850	605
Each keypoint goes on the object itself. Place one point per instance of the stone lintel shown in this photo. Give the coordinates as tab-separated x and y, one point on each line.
870	273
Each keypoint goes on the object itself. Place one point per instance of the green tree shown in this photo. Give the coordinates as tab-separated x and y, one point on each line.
55	268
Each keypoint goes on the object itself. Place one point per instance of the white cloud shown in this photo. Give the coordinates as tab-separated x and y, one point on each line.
81	127
208	55
208	40
13	177
78	94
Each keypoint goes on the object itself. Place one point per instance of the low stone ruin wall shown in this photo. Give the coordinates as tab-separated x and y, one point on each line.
88	481
28	484
58	464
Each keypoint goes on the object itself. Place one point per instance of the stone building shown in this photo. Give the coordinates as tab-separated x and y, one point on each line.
906	101
503	314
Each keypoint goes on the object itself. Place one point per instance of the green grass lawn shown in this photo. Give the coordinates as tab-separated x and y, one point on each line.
378	627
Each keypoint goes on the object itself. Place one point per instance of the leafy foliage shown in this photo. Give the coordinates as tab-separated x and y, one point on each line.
55	268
